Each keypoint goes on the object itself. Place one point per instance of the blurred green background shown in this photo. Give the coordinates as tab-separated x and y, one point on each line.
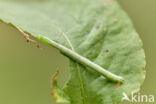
26	71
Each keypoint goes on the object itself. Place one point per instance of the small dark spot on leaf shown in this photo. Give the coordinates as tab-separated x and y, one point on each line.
107	50
97	27
117	85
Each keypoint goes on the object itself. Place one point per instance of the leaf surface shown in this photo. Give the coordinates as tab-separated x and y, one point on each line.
98	30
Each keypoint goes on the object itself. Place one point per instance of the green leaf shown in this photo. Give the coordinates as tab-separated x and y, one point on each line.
96	35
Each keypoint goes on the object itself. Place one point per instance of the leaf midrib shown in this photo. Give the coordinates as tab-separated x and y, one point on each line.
78	68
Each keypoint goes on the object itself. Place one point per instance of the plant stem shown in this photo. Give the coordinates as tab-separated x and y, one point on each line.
82	60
